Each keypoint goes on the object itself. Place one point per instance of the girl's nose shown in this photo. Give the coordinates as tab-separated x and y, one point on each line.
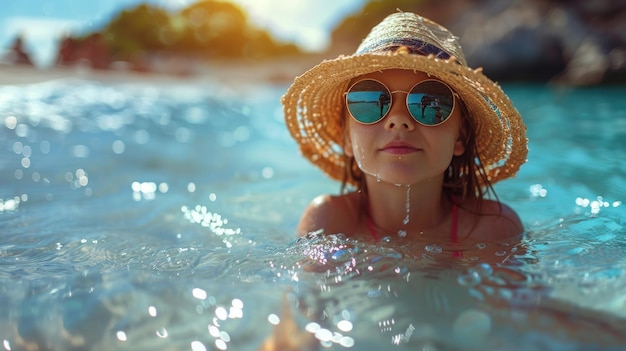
399	116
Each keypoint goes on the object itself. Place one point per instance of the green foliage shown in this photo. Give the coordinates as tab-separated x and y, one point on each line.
209	29
138	30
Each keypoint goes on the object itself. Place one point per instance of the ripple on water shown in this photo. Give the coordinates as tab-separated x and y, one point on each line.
102	231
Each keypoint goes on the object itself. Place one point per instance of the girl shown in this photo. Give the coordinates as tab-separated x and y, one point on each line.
404	173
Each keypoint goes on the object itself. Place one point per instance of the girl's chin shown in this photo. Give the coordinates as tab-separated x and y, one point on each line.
393	179
400	176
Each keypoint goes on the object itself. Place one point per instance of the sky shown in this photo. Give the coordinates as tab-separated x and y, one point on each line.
42	22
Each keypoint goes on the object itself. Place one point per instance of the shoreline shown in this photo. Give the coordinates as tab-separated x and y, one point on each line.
233	73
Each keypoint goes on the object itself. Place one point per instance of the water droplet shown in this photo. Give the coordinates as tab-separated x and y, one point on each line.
407	205
220	344
273	319
162	333
197	346
312	327
121	336
10	122
118	147
340	255
346	341
374	293
484	269
324	335
469	278
434	248
344	325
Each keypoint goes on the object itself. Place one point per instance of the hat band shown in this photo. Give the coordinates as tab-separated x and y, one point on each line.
414	46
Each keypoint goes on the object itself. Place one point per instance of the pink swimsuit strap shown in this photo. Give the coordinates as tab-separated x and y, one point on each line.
455	218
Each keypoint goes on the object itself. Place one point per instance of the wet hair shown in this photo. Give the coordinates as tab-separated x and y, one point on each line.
466	178
352	174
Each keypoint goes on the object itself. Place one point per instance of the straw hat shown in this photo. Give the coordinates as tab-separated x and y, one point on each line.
314	104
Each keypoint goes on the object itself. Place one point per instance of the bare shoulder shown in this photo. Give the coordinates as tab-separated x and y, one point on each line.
331	213
497	222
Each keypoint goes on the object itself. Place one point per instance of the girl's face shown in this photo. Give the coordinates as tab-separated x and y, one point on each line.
397	149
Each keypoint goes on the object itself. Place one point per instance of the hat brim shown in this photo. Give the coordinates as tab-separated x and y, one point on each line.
314	106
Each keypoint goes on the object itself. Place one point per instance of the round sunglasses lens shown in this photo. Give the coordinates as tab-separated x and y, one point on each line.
430	102
368	101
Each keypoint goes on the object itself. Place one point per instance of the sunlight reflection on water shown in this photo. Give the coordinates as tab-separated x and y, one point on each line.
143	217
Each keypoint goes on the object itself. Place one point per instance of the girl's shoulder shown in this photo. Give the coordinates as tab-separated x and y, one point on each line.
492	220
333	213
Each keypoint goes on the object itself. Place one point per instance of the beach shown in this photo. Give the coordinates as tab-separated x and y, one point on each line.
231	72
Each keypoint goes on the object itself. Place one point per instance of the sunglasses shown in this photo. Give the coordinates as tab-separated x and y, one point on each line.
430	102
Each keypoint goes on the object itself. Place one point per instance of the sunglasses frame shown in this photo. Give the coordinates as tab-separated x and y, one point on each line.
406	101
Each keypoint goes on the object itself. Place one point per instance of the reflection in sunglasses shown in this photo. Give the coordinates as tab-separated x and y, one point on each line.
429	102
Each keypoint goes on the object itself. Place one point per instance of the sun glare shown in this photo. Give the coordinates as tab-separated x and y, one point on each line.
305	22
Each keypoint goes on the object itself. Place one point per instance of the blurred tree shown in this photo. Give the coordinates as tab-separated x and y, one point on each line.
18	54
214	28
141	29
221	29
206	29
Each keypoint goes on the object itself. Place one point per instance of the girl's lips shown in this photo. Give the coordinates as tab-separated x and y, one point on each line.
399	148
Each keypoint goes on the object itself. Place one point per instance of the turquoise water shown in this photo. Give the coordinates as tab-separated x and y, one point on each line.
145	216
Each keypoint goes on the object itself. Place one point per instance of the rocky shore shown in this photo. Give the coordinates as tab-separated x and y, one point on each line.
575	42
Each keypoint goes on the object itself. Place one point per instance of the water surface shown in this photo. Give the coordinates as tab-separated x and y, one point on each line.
161	216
